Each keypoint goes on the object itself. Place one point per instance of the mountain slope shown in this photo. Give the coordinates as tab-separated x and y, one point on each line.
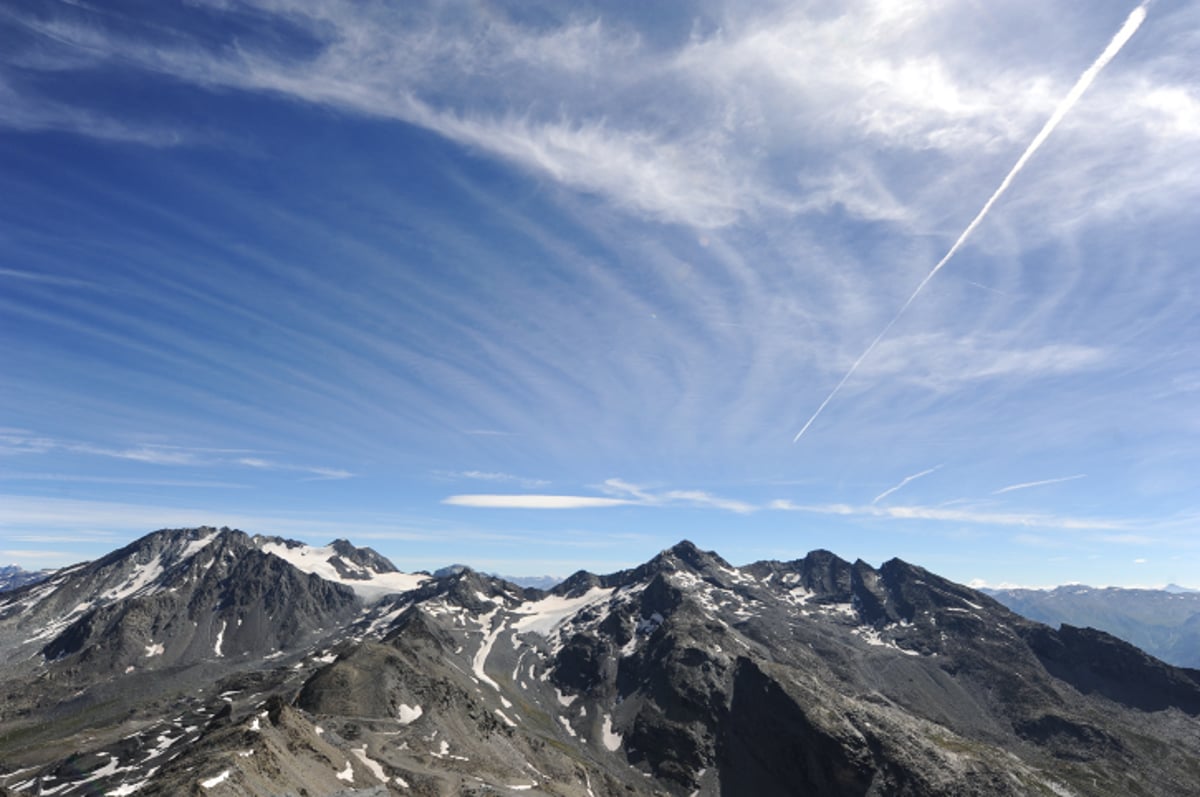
685	675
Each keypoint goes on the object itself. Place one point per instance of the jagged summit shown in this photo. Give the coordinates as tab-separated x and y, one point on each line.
210	661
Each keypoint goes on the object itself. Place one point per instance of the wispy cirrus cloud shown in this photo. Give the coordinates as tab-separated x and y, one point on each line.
86	479
315	472
19	441
737	84
492	476
942	362
21	112
960	515
49	279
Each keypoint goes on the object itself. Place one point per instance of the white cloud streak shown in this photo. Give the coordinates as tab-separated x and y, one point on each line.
972	516
84	479
493	476
1135	19
17	441
530	501
620	493
1026	485
49	279
316	473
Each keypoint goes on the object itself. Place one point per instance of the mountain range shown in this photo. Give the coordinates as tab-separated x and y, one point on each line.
212	662
1163	622
12	576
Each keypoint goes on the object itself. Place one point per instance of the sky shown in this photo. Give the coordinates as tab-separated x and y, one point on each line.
547	287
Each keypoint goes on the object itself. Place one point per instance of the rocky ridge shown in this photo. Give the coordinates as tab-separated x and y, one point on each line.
686	675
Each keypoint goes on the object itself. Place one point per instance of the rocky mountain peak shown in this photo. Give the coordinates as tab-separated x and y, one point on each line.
360	559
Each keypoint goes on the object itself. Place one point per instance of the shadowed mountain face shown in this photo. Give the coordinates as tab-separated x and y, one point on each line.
1164	623
212	662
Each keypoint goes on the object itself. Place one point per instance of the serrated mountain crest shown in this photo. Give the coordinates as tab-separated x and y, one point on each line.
221	663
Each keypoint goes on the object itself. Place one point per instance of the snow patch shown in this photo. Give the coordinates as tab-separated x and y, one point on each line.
408	714
872	637
485	648
370	763
215	781
347	774
543	617
316	561
220	640
154	649
611	739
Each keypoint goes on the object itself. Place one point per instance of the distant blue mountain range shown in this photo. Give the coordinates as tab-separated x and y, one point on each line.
1162	622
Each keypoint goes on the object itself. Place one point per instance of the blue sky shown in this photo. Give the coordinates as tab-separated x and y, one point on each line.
548	287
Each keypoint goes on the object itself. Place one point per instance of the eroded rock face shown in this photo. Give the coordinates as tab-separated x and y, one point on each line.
204	661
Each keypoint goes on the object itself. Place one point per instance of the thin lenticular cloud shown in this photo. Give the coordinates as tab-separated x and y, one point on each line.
902	483
1026	485
620	493
1132	23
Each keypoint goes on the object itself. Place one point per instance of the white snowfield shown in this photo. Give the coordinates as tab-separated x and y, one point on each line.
545	616
316	561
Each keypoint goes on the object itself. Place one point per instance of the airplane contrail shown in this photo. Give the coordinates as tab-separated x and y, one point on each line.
1042	483
1132	22
903	482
